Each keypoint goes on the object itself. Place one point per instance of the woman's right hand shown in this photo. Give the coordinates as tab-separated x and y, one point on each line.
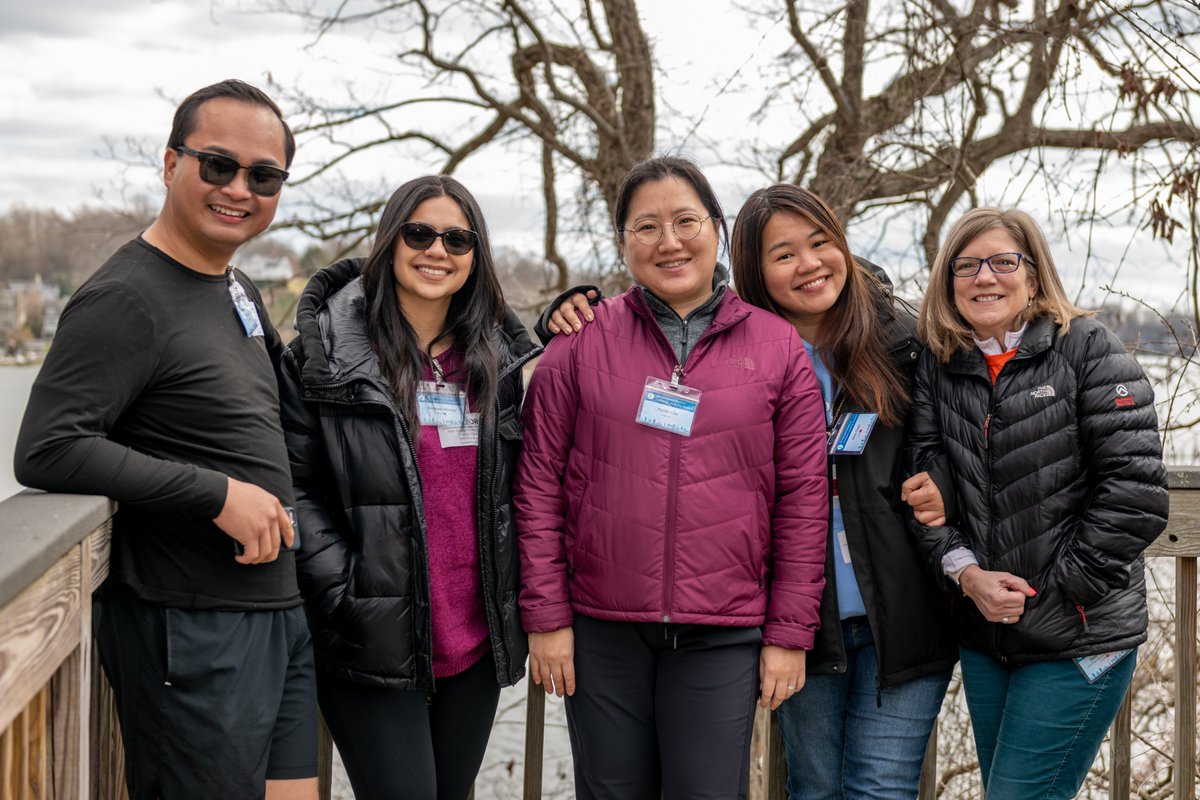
567	318
552	660
1000	596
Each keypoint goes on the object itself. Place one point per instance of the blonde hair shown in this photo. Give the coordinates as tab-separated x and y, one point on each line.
943	328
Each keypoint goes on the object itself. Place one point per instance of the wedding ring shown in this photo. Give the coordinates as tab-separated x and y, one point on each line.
791	688
1004	620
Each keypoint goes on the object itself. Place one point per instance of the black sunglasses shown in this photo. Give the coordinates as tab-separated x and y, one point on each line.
217	169
419	236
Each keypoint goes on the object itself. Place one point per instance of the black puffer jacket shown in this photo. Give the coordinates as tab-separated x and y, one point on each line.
1059	479
363	564
909	615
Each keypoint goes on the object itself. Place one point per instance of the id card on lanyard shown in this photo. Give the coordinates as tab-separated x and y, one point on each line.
244	306
668	405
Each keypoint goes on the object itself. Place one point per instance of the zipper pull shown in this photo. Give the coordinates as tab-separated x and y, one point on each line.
1082	616
987	424
676	376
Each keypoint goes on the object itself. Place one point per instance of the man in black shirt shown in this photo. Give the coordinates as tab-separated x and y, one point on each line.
159	391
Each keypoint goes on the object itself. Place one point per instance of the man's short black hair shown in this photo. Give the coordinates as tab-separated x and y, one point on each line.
185	115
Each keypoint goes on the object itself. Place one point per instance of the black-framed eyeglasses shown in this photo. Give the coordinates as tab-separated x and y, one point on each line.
219	170
1000	264
457	241
650	231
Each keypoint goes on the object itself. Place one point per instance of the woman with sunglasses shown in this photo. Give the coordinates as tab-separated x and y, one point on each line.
400	400
671	505
1049	429
883	655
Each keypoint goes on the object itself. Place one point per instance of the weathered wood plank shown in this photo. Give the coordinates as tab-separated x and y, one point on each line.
1182	536
1185	677
99	545
38	630
107	765
324	760
1120	775
535	740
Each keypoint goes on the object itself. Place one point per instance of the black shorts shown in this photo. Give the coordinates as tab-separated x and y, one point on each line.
211	703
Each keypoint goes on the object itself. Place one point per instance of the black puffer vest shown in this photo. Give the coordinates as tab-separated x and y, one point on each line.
363	564
1059	479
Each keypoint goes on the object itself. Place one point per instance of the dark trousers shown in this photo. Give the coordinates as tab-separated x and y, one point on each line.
662	711
396	746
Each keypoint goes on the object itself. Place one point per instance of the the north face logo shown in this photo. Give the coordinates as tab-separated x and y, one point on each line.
740	362
1042	392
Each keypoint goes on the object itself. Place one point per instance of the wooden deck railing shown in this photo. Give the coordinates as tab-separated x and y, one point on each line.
59	734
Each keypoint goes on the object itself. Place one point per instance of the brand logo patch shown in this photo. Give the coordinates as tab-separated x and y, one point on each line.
1042	391
1126	402
1122	391
740	362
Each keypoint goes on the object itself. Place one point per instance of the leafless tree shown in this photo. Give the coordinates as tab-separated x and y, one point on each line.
576	78
916	102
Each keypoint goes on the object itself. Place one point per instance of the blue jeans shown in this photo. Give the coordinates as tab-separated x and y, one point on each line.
846	738
1039	726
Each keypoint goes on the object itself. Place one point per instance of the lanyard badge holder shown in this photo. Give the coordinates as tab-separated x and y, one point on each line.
668	405
247	313
849	433
444	405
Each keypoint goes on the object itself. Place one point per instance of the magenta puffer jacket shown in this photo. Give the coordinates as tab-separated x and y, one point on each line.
622	521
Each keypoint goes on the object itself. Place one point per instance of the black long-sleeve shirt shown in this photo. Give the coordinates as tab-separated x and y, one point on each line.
152	394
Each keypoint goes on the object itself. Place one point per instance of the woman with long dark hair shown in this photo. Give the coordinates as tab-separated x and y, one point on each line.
882	658
400	400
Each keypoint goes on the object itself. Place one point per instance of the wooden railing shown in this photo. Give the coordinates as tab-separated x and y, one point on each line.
60	735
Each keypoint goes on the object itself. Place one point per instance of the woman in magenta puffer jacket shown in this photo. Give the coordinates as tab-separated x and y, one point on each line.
671	505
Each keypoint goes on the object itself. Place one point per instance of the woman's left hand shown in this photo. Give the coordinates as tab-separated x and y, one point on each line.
923	495
780	674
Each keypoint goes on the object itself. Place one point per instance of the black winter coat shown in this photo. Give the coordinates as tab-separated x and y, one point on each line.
1059	479
909	615
363	563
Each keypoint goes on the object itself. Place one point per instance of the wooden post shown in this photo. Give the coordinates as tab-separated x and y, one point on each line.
324	760
927	789
535	739
1185	677
1120	774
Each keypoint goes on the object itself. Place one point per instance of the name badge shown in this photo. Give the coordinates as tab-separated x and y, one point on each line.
850	432
668	407
247	313
466	435
441	404
1093	667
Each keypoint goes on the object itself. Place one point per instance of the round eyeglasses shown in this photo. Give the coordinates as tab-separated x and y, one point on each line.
650	231
999	264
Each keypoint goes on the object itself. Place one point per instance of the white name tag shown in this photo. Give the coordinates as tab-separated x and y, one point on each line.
1093	667
441	404
667	407
247	313
850	433
843	546
460	435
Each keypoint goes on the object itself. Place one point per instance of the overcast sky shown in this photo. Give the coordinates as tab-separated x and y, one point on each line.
81	78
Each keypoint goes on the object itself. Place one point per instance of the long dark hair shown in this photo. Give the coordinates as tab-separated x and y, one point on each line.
851	336
475	309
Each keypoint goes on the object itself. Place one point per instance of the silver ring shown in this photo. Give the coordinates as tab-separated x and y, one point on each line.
1004	620
791	688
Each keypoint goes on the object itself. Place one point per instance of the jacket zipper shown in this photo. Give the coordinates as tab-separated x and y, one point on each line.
492	606
677	373
405	437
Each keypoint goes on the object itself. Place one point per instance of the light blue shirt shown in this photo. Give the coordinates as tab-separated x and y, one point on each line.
850	602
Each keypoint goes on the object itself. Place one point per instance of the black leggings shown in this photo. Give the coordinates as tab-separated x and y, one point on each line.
395	746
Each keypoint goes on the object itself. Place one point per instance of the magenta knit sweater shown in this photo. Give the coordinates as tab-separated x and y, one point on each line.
460	632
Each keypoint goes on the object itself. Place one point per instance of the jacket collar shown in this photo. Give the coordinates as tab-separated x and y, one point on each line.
331	317
1038	338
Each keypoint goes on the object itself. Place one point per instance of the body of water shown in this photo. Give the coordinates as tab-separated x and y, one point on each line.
15	383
